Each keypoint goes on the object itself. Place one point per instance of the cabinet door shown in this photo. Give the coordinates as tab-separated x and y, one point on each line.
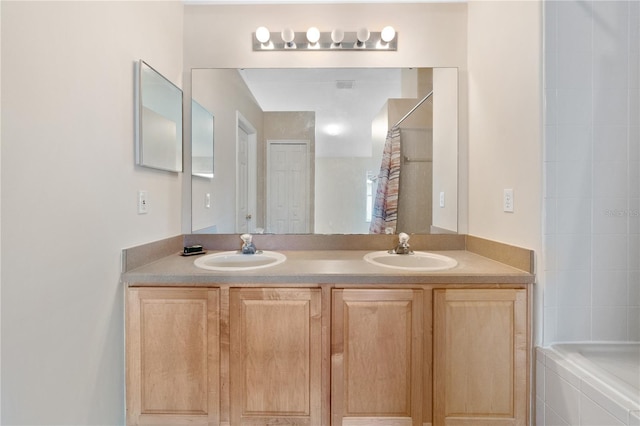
480	357
172	356
275	362
376	357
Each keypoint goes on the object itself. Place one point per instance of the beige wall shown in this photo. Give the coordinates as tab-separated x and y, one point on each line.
445	154
69	190
505	143
222	92
505	123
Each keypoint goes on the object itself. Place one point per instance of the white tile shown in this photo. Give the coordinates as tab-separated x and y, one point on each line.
610	143
550	289
574	25
633	323
574	215
610	215
634	143
612	402
574	179
591	414
634	179
539	380
551	418
610	251
550	250
610	287
634	107
611	27
609	323
550	179
574	70
550	142
574	287
550	17
550	68
562	367
539	412
611	69
634	70
574	143
575	107
634	252
634	216
610	179
574	251
634	288
550	324
574	323
634	418
610	107
551	107
562	398
634	27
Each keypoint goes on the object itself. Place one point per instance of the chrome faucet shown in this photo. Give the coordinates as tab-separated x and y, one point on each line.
403	245
247	245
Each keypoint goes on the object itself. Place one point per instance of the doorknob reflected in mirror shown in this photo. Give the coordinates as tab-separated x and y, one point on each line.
248	217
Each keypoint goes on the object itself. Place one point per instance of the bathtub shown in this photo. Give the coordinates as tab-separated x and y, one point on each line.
590	383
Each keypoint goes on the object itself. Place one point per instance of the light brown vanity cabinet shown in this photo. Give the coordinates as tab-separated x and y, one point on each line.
480	357
275	357
173	353
376	356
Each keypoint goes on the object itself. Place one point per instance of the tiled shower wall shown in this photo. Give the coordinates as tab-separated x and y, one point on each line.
592	163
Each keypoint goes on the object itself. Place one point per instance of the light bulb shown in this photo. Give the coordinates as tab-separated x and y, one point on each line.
337	36
288	35
263	35
388	34
363	35
313	35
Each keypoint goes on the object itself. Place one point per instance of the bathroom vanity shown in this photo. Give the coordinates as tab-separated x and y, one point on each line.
326	338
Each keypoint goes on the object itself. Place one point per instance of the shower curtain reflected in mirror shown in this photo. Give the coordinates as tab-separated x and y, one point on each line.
385	208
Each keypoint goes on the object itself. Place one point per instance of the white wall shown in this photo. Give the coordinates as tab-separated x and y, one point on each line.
592	168
69	188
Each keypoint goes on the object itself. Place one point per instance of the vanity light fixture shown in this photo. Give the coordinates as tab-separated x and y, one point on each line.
314	39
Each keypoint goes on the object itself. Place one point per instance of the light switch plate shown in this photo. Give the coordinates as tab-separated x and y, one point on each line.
507	200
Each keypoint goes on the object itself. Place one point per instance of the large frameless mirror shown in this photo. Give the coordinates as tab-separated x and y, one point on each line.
158	121
300	150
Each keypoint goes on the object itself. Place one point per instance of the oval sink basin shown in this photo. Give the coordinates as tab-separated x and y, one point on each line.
418	261
236	261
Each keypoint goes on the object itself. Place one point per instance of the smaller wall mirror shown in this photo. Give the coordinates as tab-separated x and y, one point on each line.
202	123
159	121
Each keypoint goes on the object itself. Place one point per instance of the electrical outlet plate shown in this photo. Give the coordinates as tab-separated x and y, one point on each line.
442	199
507	200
